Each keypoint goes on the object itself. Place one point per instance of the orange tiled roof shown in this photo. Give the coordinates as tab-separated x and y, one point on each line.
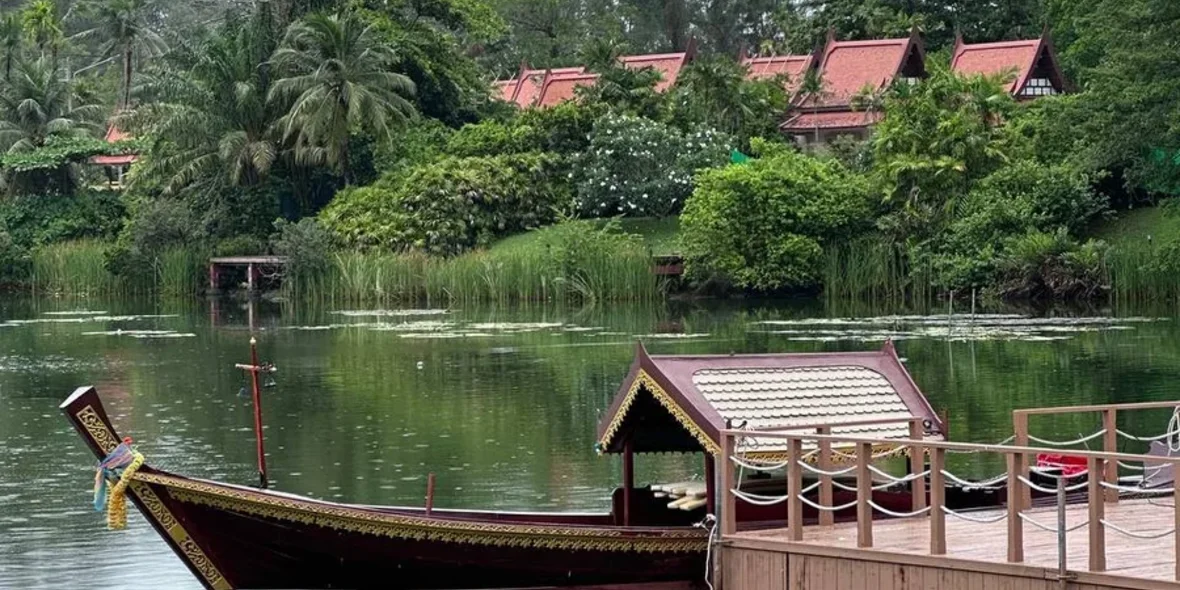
828	121
1020	56
562	87
115	135
794	67
848	66
667	64
525	89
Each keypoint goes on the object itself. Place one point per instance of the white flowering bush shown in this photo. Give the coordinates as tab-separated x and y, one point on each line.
640	167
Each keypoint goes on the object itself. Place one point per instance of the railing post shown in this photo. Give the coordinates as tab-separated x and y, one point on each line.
728	500
825	481
1062	549
1176	521
917	465
794	489
1097	503
1020	430
1110	443
937	501
1016	490
864	494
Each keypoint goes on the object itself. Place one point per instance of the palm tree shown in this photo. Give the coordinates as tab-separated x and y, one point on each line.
814	89
42	26
208	115
36	107
337	77
129	34
10	42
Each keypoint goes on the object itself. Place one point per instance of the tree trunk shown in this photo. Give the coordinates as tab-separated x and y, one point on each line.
126	78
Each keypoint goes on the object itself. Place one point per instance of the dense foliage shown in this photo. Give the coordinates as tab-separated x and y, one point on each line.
451	205
763	225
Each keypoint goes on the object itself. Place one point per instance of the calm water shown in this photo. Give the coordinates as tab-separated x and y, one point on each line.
501	404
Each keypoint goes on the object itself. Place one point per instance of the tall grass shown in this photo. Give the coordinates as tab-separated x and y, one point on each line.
875	271
178	272
1143	273
75	268
583	264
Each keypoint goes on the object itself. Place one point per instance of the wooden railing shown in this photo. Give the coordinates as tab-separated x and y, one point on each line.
1016	483
1109	433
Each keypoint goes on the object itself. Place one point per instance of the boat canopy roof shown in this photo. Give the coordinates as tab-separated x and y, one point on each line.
680	403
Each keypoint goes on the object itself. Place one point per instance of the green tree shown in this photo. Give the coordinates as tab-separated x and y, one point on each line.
813	90
336	77
10	42
715	92
129	35
42	27
37	107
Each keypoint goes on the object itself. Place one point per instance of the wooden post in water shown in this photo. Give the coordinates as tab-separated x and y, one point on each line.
429	493
1097	505
864	494
794	489
254	368
825	481
1110	443
937	501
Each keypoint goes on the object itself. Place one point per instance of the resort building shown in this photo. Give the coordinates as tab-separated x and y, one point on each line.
1032	63
848	69
549	87
116	166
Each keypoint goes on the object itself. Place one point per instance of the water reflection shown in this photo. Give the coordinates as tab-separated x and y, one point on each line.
500	403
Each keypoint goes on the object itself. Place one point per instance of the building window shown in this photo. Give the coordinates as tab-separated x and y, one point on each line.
1038	87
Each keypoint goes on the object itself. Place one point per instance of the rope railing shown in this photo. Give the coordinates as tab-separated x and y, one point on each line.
758	499
1050	529
1067	443
1135	534
1129	436
1136	490
1024	480
976	519
993	483
888	512
833	473
1056	473
824	508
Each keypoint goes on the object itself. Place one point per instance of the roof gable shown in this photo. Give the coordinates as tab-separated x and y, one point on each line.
794	67
704	393
667	64
562	87
849	66
1025	58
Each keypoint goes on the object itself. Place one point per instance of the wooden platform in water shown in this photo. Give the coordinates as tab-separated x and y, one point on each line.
976	553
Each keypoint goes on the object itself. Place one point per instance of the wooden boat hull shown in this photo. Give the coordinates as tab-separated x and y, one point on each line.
238	537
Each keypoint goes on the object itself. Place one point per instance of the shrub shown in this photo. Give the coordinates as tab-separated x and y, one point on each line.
450	205
306	244
1041	265
492	138
34	220
640	167
763	225
562	129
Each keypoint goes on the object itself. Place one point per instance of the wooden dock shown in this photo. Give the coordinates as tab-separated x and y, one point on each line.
255	266
1111	535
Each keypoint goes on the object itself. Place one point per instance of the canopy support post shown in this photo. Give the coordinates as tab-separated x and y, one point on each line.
710	483
628	479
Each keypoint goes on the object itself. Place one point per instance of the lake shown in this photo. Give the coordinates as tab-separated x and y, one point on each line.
501	404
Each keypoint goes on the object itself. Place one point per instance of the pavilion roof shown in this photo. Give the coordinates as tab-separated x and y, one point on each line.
667	64
847	67
794	67
681	403
1021	57
802	122
559	88
115	135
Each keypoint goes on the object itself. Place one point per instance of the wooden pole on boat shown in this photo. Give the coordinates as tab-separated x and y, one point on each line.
710	484
429	493
628	479
254	368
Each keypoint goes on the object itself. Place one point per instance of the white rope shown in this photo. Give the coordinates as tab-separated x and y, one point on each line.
759	467
1134	467
758	499
818	471
987	484
1038	488
1050	529
910	477
1067	443
827	508
898	514
876	488
710	525
1055	473
975	519
1135	490
1130	436
1134	534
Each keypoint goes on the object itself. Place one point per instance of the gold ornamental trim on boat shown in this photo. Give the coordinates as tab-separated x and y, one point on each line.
156	510
410	527
645	381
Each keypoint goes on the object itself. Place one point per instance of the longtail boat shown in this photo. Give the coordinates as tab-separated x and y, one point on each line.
235	536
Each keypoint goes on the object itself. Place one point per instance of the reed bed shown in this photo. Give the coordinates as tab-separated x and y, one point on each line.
75	268
1143	273
875	271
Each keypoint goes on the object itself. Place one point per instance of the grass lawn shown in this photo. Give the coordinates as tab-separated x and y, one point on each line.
1133	227
659	235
